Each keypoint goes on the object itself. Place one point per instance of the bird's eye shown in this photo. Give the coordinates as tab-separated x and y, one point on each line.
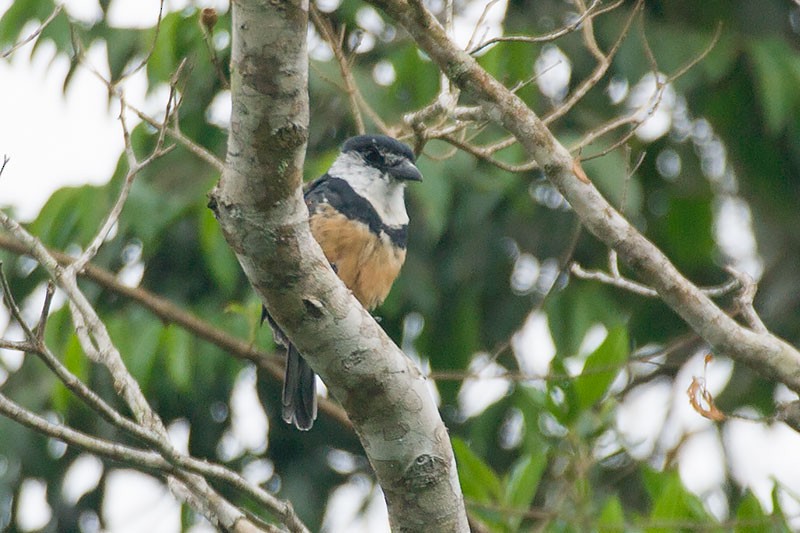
373	157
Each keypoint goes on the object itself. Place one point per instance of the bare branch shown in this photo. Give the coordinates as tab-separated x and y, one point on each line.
48	299
98	344
552	36
335	42
598	72
152	49
151	460
616	281
485	154
171	313
208	19
635	117
287	267
34	34
763	351
744	300
117	452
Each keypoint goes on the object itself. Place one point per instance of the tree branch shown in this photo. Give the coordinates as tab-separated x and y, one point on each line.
34	34
261	211
98	345
173	314
762	351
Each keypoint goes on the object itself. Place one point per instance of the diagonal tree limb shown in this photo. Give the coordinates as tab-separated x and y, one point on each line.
99	344
262	214
763	351
173	314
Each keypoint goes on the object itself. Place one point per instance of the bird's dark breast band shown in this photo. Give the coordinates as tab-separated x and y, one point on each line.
366	262
338	193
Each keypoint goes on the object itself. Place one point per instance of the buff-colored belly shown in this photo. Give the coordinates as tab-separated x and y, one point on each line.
366	263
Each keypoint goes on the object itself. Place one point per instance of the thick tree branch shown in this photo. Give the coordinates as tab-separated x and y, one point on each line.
763	351
261	211
171	313
97	344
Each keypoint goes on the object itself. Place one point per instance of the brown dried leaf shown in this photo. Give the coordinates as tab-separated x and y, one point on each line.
698	396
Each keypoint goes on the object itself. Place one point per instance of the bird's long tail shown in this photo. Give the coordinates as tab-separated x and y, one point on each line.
299	400
299	391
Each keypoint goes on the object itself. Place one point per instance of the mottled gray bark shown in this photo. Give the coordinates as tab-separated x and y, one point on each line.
261	211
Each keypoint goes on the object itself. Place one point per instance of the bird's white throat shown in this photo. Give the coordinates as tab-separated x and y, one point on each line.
386	194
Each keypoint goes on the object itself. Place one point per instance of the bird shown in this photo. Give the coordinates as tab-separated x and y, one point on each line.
357	214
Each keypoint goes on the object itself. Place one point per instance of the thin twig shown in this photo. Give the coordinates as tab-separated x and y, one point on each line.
134	167
622	283
6	159
208	17
479	23
152	49
48	299
744	300
182	139
597	74
616	280
11	303
478	152
552	36
650	106
35	33
172	314
325	29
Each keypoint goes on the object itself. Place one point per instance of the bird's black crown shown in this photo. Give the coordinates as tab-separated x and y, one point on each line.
384	144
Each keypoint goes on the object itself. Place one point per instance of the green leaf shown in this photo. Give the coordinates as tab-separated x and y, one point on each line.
775	77
162	64
58	32
71	216
126	45
19	14
177	347
750	517
478	480
601	367
688	238
77	363
612	517
778	516
571	313
674	504
523	480
136	335
223	266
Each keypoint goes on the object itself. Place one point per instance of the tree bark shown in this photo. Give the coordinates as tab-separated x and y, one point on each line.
260	207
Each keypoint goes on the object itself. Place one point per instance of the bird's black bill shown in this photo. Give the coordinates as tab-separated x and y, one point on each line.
407	171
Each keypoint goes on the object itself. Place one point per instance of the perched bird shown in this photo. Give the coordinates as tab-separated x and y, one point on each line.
357	214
